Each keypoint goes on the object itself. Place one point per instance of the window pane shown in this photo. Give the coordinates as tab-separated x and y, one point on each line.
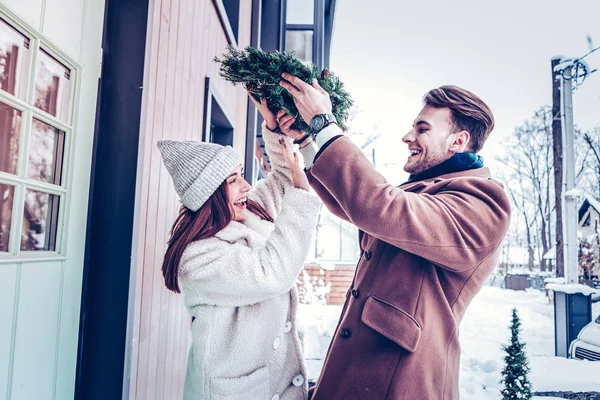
350	247
14	60
46	148
40	219
301	43
328	237
52	86
300	12
10	133
7	194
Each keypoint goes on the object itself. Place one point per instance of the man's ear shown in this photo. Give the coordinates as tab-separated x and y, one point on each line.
460	144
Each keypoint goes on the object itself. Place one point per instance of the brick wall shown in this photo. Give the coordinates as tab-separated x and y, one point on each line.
340	279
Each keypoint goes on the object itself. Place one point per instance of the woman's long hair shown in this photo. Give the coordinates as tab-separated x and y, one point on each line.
190	226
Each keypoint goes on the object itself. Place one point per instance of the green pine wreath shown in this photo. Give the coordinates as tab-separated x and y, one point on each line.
260	73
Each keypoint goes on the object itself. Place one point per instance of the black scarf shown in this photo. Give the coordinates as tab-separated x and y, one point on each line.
457	163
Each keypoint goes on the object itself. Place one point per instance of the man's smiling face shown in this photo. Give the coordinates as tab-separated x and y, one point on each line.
430	139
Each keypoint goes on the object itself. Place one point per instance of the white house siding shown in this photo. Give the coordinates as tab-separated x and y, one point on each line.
40	292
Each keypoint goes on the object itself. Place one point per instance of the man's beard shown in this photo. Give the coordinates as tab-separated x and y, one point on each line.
431	161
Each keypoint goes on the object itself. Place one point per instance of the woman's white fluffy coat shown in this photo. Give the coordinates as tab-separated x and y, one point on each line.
240	287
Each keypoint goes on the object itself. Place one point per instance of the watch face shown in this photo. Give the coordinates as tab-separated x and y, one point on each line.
316	124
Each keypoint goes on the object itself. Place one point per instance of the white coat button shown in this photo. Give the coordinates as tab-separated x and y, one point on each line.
276	343
287	327
298	380
276	397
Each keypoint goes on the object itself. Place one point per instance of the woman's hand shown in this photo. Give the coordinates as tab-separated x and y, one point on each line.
267	115
298	176
285	124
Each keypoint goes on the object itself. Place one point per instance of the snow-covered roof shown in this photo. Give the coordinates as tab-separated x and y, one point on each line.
559	279
571	288
594	203
588	201
550	254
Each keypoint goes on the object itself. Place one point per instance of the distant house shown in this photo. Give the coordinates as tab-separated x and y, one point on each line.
589	215
588	226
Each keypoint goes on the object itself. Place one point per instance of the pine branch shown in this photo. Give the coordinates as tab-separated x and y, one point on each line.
260	74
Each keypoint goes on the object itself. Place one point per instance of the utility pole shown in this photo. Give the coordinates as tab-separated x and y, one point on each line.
569	197
557	149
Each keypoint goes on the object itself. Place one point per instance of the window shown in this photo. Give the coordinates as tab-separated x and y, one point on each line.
36	104
232	9
52	86
587	221
229	16
336	240
7	196
14	60
301	30
301	43
218	126
300	12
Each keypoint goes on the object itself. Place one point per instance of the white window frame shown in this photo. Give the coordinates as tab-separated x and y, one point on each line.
20	182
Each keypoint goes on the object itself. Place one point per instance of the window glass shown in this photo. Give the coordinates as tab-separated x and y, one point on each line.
300	12
10	134
14	60
52	86
350	246
40	220
46	148
301	43
7	194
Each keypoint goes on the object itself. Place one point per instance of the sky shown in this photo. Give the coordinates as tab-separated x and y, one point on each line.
390	53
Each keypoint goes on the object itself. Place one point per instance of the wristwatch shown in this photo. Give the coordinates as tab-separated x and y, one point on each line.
320	121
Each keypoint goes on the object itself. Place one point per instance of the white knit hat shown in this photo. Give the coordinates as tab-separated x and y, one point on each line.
197	168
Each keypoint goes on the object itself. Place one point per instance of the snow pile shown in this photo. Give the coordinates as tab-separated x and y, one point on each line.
482	333
560	280
555	374
572	288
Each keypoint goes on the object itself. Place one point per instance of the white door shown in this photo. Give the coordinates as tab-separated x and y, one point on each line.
50	54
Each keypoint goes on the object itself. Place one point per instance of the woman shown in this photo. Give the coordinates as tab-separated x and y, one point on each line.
235	252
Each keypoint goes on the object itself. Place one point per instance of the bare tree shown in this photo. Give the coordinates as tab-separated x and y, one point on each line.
591	164
529	161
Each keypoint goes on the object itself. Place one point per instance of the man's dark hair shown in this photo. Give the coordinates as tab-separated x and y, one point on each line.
469	112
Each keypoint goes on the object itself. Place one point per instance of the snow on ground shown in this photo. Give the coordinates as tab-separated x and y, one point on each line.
483	331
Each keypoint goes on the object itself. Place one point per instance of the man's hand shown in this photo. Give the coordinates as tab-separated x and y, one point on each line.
310	100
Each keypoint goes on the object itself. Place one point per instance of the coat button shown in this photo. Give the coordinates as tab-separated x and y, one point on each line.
276	343
345	333
298	380
367	255
287	327
355	293
276	397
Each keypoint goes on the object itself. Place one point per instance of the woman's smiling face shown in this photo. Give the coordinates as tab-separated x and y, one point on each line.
237	189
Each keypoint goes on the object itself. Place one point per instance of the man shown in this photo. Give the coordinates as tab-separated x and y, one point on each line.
427	247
